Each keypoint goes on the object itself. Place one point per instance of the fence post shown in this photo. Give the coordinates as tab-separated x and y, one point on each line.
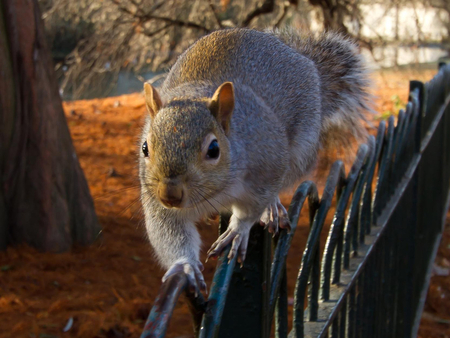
247	298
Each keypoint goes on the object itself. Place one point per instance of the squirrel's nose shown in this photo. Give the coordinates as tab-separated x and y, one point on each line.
170	193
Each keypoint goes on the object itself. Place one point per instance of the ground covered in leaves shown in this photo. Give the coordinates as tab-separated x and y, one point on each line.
107	289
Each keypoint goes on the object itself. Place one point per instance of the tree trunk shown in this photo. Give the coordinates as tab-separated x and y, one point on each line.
44	197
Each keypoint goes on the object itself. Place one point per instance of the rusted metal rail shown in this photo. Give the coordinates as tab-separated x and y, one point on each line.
371	280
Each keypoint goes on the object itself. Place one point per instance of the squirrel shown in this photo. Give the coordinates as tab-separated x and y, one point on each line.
240	117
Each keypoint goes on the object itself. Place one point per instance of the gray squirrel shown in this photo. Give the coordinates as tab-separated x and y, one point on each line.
240	117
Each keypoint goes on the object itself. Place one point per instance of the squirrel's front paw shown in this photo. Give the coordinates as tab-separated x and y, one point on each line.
239	240
193	271
275	216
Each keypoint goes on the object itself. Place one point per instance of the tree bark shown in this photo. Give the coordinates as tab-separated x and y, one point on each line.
44	196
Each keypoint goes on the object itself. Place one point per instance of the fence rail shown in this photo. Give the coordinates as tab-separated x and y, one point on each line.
372	277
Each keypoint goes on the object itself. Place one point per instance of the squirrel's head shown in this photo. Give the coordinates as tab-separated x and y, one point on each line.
186	152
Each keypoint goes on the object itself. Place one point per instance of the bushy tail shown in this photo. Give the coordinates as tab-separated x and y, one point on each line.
344	82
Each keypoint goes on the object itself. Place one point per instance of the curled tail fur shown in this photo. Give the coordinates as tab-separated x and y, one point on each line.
344	82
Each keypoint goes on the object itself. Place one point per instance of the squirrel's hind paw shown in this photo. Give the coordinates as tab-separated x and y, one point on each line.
193	271
275	216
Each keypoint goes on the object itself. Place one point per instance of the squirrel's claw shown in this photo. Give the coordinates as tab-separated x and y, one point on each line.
274	217
238	240
193	271
269	218
283	217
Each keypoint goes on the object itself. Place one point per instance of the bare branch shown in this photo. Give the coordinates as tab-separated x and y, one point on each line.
157	6
214	11
148	17
138	8
176	22
150	34
285	9
267	7
124	9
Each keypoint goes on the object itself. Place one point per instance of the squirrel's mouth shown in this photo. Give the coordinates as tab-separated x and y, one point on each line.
172	203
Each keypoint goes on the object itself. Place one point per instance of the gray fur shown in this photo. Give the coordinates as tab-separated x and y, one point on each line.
343	77
287	94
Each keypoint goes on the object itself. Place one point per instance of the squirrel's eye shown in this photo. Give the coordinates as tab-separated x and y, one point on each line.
213	150
145	149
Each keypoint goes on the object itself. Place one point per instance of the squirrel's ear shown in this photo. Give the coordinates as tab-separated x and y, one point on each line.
152	99
222	105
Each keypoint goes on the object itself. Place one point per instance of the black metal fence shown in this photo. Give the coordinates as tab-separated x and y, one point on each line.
371	280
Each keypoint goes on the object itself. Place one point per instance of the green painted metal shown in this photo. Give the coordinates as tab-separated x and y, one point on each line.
168	295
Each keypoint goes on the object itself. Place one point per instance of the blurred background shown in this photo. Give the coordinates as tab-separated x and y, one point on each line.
108	47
